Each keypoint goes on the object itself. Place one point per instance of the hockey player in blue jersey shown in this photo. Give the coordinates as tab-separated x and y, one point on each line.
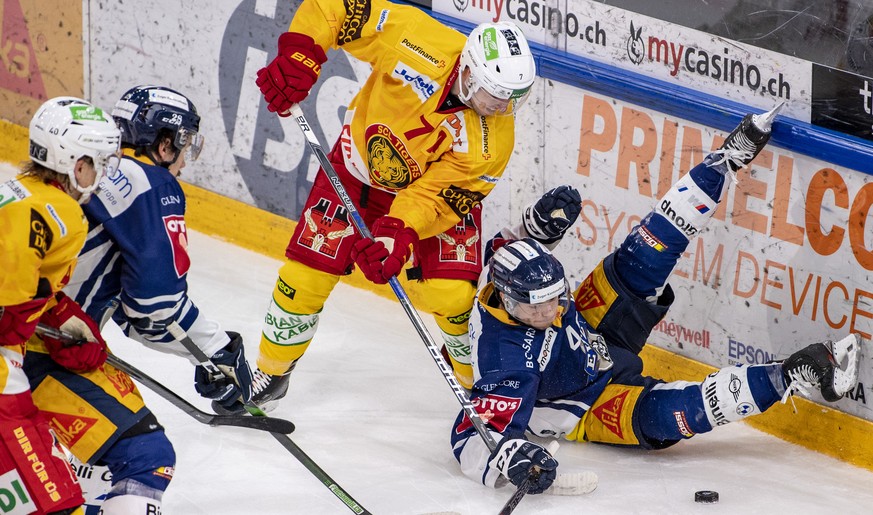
136	252
555	365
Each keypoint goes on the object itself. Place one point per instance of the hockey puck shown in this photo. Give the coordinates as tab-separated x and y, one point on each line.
706	496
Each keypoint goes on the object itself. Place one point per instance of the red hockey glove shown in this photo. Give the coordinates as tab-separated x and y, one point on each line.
69	317
382	258
289	77
15	324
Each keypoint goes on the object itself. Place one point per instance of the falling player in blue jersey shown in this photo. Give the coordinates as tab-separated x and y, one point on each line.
543	361
136	252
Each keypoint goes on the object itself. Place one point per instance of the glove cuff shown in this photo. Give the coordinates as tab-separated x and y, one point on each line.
533	228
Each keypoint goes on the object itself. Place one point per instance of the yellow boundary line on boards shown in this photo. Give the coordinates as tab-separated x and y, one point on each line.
837	434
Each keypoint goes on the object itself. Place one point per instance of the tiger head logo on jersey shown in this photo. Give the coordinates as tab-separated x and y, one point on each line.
391	167
324	232
177	232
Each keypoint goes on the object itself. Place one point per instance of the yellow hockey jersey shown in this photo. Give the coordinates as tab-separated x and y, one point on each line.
399	133
42	230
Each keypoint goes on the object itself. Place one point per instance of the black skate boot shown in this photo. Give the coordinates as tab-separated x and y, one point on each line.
268	389
266	392
747	140
830	367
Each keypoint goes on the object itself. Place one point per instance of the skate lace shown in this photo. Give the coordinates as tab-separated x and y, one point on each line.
803	379
738	152
260	381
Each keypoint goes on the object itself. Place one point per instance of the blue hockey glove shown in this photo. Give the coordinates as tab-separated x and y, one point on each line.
549	218
516	458
236	384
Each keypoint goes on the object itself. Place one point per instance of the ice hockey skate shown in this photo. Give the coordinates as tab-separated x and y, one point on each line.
747	140
831	367
266	392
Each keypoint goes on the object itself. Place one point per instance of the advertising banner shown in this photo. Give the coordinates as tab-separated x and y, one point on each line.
40	55
641	44
786	261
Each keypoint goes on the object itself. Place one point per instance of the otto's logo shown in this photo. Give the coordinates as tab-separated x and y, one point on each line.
495	410
459	243
324	232
357	15
462	201
391	166
177	233
41	235
635	46
286	290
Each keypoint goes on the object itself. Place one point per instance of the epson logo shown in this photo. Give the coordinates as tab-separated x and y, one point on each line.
683	225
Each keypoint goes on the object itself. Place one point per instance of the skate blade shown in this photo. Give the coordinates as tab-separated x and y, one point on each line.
764	121
847	353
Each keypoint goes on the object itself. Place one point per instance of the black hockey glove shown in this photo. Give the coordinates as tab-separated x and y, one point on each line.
236	384
516	458
549	218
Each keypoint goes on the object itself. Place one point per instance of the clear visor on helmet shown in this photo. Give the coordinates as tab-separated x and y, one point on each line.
548	305
189	142
493	102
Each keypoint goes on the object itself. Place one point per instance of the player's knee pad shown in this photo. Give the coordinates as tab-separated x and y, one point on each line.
292	317
611	417
34	473
141	465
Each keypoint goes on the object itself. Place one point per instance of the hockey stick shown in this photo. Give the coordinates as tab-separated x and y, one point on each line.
413	315
179	334
261	424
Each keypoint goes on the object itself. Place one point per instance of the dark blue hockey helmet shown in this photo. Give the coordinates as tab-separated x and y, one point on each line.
531	280
527	272
145	113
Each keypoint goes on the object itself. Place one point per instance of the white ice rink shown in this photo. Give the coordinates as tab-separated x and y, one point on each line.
373	410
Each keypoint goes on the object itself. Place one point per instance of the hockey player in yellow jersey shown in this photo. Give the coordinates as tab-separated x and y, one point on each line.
423	142
42	229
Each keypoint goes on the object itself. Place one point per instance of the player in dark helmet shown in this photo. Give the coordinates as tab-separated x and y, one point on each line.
571	370
136	258
159	123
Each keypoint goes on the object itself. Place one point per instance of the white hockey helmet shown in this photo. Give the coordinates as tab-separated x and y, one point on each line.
66	129
501	65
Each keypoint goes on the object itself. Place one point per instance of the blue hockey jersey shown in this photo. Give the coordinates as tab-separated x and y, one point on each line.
137	251
528	379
